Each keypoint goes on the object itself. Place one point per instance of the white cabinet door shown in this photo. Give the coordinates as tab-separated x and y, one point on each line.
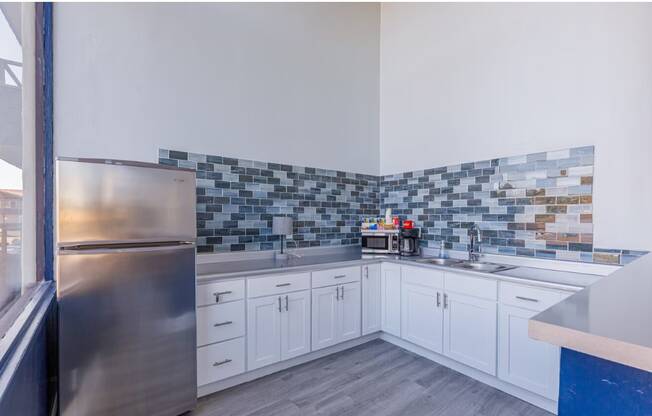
422	316
348	317
295	324
371	303
263	331
470	331
324	317
391	298
527	363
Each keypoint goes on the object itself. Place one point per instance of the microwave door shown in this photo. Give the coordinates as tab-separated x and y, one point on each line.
376	244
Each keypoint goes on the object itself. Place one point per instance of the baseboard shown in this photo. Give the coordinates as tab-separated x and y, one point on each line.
525	395
274	368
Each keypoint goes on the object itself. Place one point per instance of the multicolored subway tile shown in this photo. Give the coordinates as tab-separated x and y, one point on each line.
535	205
237	199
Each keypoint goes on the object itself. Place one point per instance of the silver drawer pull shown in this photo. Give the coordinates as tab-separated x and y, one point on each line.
283	284
218	294
223	323
339	276
219	363
527	299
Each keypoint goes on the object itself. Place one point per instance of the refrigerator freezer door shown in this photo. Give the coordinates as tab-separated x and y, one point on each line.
105	201
127	343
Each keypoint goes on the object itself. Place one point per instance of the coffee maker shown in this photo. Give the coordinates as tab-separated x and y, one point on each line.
409	241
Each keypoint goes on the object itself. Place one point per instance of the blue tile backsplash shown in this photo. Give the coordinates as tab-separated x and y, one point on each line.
237	198
535	205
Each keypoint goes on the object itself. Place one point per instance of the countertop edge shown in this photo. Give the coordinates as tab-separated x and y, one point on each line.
575	322
610	349
210	278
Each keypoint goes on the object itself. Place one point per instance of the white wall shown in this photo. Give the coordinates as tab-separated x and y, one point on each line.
291	83
299	83
466	82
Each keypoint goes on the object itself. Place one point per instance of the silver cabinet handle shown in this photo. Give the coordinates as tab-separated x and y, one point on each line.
527	299
287	303
279	304
222	323
342	297
339	276
438	299
445	301
283	284
366	272
218	294
337	292
219	363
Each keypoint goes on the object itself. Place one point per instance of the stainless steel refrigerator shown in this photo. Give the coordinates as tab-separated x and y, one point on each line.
126	288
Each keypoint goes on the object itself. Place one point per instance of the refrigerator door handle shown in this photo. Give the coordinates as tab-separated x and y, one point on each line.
122	248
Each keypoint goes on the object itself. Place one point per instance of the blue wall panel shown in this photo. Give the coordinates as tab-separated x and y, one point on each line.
591	386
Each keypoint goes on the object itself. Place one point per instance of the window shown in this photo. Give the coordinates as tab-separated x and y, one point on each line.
17	144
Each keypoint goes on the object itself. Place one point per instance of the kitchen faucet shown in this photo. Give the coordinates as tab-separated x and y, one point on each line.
474	242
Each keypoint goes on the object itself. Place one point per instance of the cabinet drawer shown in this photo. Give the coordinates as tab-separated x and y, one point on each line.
220	292
217	323
472	286
336	276
275	284
528	297
219	361
422	276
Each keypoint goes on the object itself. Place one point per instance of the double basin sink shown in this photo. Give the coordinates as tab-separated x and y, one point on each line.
469	265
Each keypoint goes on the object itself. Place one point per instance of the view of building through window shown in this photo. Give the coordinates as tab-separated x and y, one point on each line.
11	153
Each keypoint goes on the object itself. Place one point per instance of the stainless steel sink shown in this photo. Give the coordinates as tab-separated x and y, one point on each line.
441	262
482	266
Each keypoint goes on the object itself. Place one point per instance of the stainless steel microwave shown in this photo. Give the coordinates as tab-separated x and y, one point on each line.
380	241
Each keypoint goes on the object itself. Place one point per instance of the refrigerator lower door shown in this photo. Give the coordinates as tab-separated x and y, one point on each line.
127	337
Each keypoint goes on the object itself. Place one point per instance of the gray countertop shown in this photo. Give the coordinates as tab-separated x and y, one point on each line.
211	272
267	265
611	319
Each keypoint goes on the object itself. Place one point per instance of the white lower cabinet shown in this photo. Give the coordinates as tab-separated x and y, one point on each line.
349	312
371	299
470	331
263	331
295	325
390	284
422	316
278	328
336	314
219	361
324	316
523	361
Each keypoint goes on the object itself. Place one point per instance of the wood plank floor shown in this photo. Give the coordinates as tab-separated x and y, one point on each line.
375	379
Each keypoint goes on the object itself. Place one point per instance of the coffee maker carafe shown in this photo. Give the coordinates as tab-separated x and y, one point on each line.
409	241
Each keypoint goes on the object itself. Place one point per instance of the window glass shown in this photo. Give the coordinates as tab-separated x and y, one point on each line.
12	156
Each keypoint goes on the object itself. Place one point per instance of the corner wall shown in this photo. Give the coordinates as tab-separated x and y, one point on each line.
468	82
